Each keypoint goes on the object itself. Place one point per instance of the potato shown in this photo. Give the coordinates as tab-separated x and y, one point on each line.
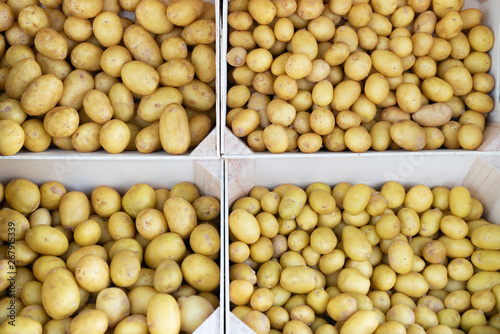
400	257
180	215
146	84
86	56
40	237
174	129
205	240
137	198
436	114
387	63
198	96
60	288
114	136
201	272
450	25
22	74
23	323
486	236
408	97
205	32
87	233
298	279
165	246
363	321
51	44
194	310
95	318
76	85
358	251
292	202
402	131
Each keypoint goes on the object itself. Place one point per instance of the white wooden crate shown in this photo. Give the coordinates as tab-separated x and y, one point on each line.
84	174
480	175
232	145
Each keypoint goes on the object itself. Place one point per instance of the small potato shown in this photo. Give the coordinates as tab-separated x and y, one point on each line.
275	138
205	240
86	56
113	58
32	18
114	136
408	97
60	288
450	25
400	132
174	129
483	82
86	137
376	88
97	106
387	63
39	237
12	137
479	102
345	94
481	38
205	32
51	44
477	62
337	53
146	83
22	74
357	66
201	272
61	122
436	114
107	28
198	96
176	72
76	85
362	322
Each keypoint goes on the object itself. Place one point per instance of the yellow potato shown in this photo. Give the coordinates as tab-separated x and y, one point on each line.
486	236
362	321
174	129
160	322
402	131
244	226
40	237
387	63
60	294
450	25
298	279
435	114
359	250
12	137
201	272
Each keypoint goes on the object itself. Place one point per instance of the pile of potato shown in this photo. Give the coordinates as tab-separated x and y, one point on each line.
81	75
356	260
358	75
144	262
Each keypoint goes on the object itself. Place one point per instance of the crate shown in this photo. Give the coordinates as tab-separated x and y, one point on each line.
233	146
209	148
480	175
84	174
